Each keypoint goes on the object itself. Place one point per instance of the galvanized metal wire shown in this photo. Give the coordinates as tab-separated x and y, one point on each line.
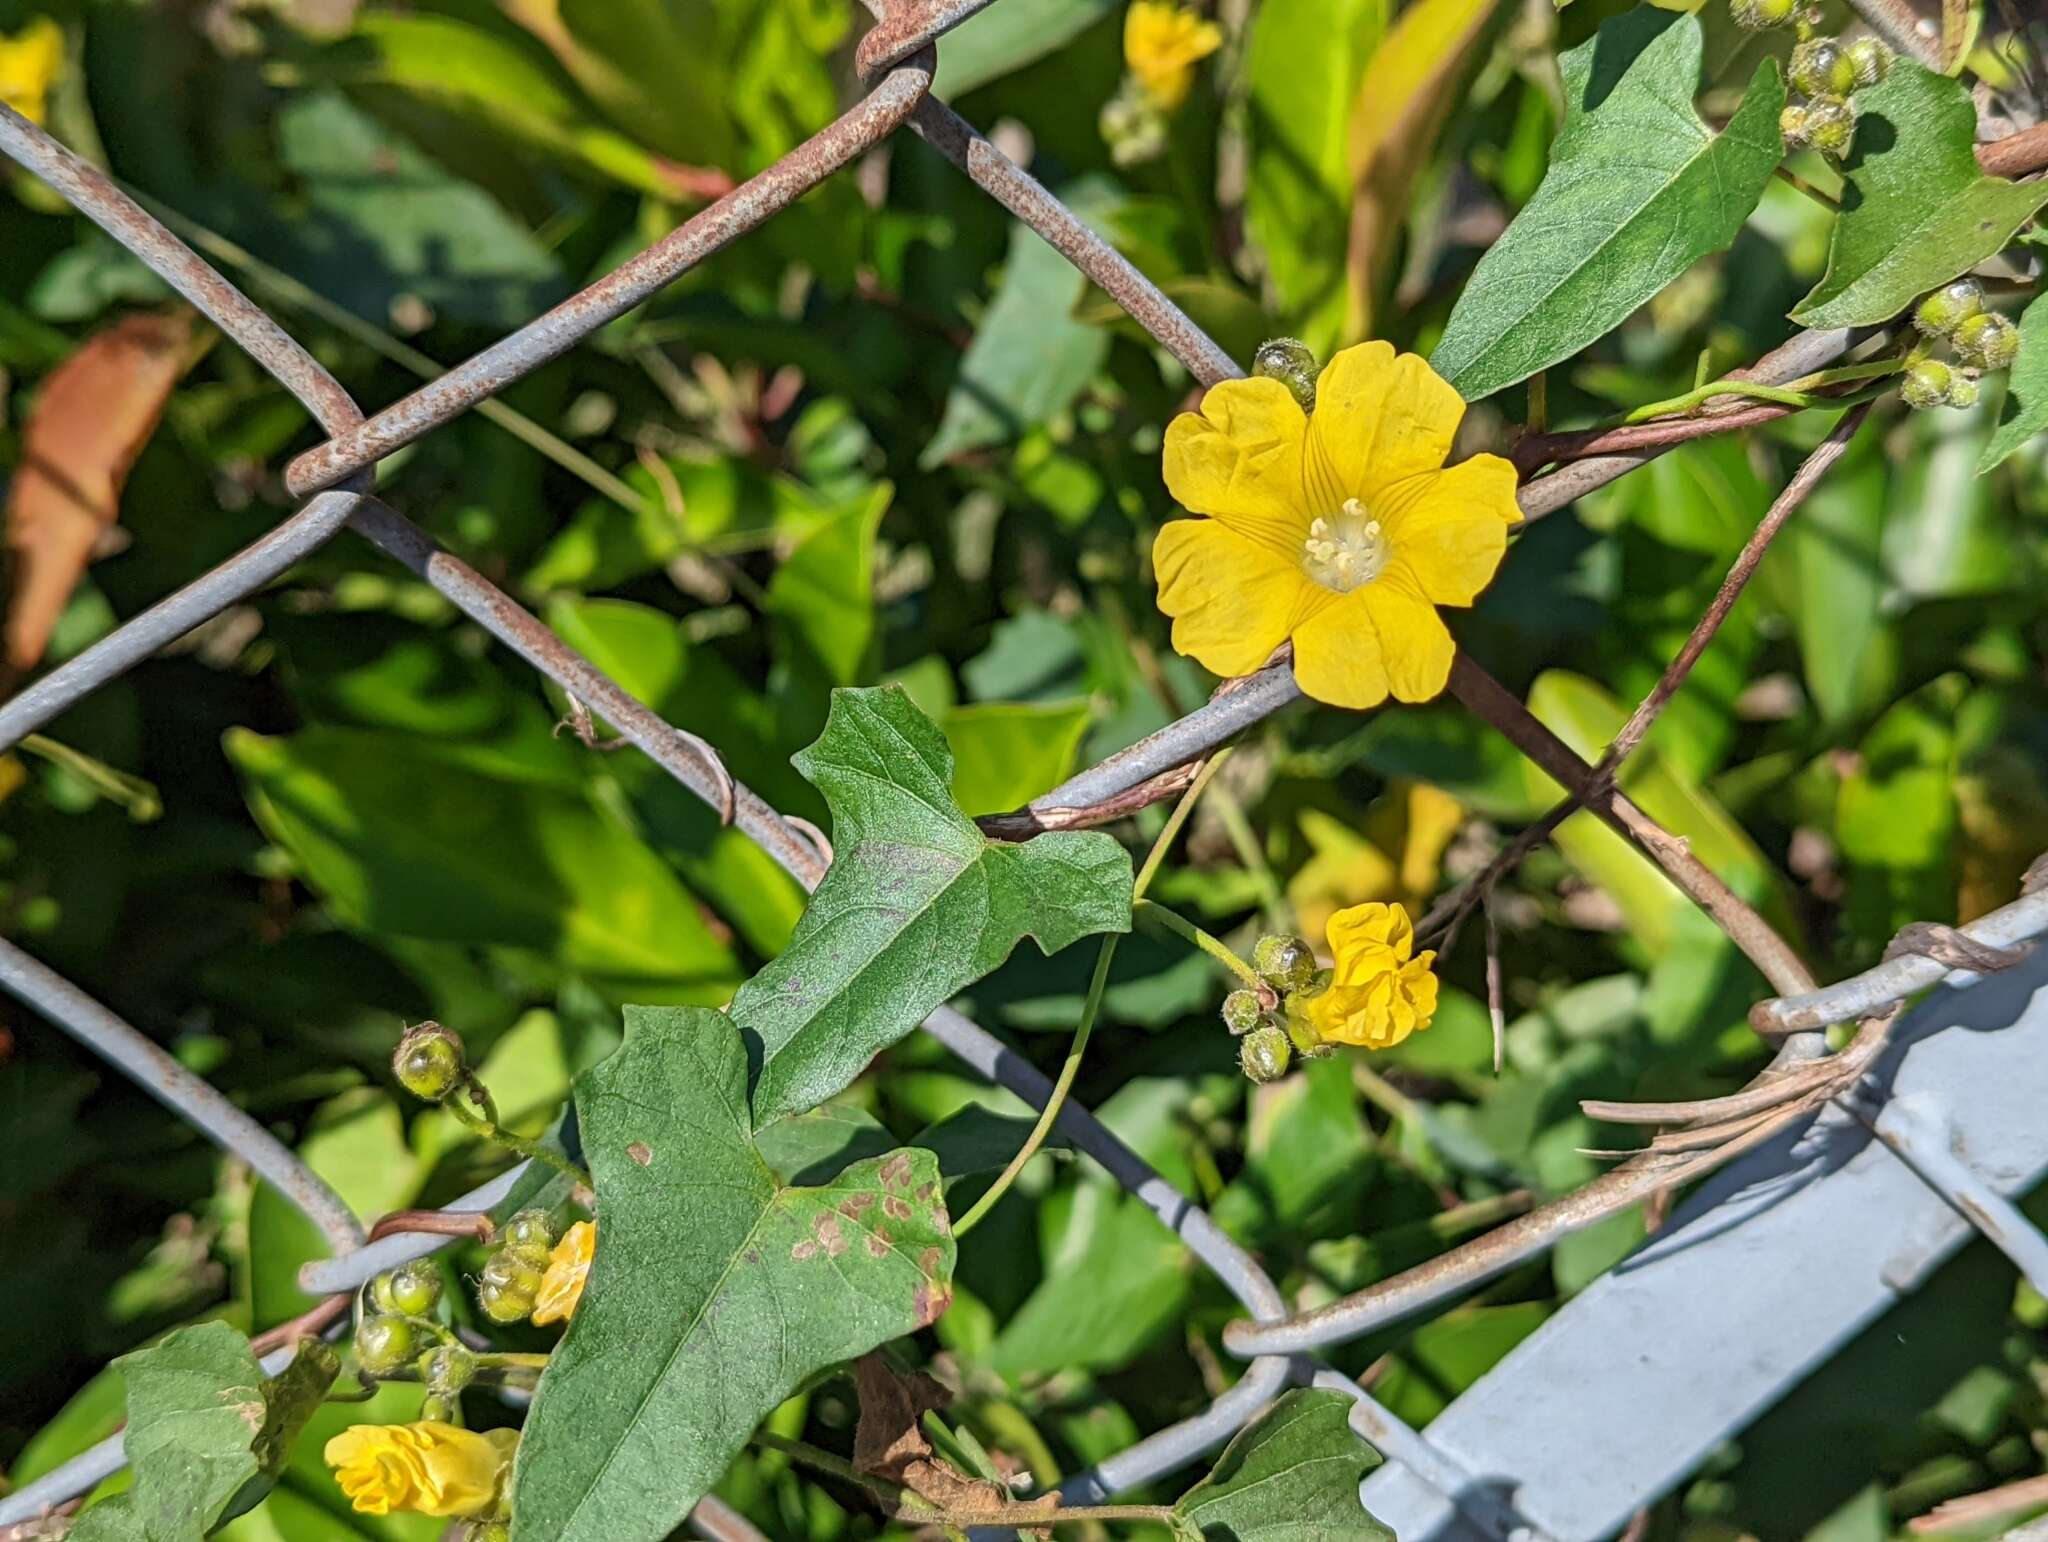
899	56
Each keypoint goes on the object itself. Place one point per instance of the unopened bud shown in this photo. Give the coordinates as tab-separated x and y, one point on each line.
383	1344
428	1062
1265	1054
1821	68
1872	60
1949	307
1831	126
1758	14
1285	963
1987	340
1927	384
1289	361
1242	1012
448	1369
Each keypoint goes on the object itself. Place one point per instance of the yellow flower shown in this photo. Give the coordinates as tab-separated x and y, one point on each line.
429	1468
30	62
561	1288
1162	46
1378	994
1343	531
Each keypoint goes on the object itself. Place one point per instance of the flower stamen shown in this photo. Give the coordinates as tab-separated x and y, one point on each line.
1345	551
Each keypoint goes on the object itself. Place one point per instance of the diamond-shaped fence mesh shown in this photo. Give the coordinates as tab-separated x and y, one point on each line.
897	58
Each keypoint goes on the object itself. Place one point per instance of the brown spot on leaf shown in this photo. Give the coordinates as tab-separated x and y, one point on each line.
897	1209
897	1170
804	1251
854	1205
927	1192
640	1152
830	1237
878	1244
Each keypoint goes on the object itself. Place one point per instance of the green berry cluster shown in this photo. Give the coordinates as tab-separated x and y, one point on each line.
1980	340
1271	1022
1823	70
511	1281
399	1334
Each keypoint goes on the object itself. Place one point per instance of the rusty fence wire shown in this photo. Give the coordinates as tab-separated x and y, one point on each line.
896	59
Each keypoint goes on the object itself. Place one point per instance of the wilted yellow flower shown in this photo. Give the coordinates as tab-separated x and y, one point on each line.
1343	531
30	62
429	1468
568	1267
1162	45
1378	994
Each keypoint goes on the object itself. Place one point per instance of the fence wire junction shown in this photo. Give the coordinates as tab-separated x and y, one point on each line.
897	60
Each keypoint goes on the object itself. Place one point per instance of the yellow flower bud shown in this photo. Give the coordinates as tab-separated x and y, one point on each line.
427	1468
561	1288
1379	993
30	62
1162	46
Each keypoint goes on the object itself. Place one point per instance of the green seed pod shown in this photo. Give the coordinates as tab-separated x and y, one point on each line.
1242	1012
1758	14
383	1344
530	1229
383	1298
415	1289
438	1410
1285	963
1289	361
1962	390
1821	68
1265	1054
447	1369
1927	384
1872	60
487	1531
509	1270
1792	123
428	1062
1987	340
503	1305
1831	125
1949	307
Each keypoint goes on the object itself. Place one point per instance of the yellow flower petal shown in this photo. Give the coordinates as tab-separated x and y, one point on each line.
1337	655
1162	46
1380	417
561	1288
1356	932
1232	602
1451	526
1415	645
30	62
1238	460
428	1468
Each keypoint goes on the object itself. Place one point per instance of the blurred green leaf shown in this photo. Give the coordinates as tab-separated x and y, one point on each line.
396	837
1918	209
1639	189
1896	816
1835	550
1307	1150
1007	753
1009	36
823	596
2026	390
765	1285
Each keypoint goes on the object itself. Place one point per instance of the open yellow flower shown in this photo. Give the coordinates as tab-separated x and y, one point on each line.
1162	45
1343	530
561	1288
428	1468
1378	994
30	62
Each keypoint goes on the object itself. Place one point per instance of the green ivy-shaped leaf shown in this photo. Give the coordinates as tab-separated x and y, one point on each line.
716	1290
918	904
207	1435
1917	209
1292	1476
1639	189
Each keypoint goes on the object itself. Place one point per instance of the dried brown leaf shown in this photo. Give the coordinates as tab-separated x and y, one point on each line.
92	416
889	1442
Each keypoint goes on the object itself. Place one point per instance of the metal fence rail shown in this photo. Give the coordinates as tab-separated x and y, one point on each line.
1451	1484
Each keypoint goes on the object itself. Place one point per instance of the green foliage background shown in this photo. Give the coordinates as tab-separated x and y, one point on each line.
891	437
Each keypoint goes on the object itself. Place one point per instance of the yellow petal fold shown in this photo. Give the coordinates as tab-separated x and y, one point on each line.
1238	460
1380	418
1232	602
1451	526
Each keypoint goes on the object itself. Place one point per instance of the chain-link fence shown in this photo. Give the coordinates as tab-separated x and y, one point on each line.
1453	1486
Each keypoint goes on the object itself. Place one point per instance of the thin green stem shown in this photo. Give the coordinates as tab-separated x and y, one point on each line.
1244	840
511	1361
132	793
487	1126
1800	393
1071	1067
1173	921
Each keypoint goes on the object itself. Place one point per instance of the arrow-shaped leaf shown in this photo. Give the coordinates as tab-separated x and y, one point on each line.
207	1435
716	1288
1917	209
1291	1477
917	905
1639	189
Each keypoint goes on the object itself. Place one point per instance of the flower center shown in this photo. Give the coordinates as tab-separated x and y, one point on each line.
1346	549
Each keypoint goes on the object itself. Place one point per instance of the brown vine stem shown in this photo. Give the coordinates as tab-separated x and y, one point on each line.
1450	914
1771	954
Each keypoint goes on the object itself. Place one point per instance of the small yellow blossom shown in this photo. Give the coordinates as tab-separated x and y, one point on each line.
1162	45
428	1468
1378	994
561	1288
30	62
1342	531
